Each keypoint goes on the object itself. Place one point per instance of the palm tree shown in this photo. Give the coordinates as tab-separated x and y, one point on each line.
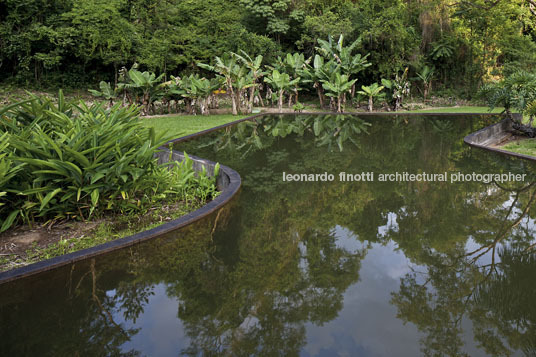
371	92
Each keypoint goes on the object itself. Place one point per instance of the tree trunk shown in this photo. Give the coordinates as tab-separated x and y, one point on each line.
232	94
370	104
320	95
251	98
339	101
204	106
280	101
115	75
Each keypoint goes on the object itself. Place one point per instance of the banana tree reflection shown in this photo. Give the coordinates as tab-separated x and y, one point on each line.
249	136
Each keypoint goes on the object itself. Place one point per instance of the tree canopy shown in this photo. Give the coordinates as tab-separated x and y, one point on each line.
71	43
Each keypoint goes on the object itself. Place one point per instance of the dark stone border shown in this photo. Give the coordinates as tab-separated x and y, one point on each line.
229	182
492	135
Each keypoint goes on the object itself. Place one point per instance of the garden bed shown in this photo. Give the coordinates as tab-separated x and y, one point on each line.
228	184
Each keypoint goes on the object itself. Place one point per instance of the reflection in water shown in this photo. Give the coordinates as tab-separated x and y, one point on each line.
311	268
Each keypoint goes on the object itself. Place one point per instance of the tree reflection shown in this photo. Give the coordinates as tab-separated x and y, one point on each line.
488	285
251	277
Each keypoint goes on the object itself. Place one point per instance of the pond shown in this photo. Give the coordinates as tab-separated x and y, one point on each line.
312	268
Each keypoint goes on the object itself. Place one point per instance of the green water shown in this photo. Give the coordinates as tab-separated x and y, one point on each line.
369	268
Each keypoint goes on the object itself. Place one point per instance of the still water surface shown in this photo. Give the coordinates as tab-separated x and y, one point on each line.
311	268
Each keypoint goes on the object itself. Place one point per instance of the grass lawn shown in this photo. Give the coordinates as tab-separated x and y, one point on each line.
465	109
182	125
525	147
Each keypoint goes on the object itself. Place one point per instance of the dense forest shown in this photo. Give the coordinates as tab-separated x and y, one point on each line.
73	44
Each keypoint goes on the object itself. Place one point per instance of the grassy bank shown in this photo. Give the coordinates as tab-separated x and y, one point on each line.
525	147
182	125
454	110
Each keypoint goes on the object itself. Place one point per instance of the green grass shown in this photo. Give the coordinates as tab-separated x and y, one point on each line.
464	109
525	147
182	125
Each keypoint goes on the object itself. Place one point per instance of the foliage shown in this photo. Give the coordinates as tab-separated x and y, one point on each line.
512	93
60	43
106	92
282	83
338	89
143	88
372	91
399	88
73	161
425	75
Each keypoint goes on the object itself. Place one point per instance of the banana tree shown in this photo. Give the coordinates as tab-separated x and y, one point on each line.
256	73
295	65
372	91
196	91
172	92
281	82
242	81
350	64
317	73
425	75
145	86
337	87
105	92
226	66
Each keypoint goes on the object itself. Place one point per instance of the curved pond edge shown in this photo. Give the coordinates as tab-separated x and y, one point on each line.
492	135
229	182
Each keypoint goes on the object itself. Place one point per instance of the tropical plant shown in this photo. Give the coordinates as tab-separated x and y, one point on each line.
256	74
425	75
338	87
372	91
512	93
145	87
8	170
295	64
226	66
319	72
298	107
72	161
531	111
398	88
281	83
106	92
196	91
350	64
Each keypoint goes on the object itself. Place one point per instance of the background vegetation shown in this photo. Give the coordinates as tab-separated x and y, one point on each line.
65	43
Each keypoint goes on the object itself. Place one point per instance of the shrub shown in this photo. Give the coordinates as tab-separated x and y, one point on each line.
70	161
